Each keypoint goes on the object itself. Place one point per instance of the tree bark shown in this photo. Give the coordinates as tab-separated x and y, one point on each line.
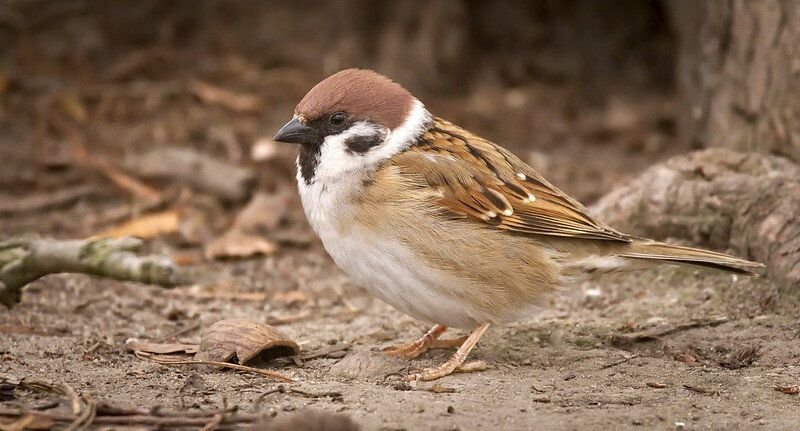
718	199
739	74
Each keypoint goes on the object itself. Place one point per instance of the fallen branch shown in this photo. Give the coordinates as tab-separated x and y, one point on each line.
718	199
23	260
158	419
619	362
44	201
221	178
656	334
174	361
86	412
83	409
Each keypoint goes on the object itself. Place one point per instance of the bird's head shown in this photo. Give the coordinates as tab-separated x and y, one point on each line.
351	121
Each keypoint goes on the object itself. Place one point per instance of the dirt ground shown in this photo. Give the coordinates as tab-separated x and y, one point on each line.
670	348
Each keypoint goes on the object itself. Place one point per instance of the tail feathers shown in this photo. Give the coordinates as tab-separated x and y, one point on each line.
652	250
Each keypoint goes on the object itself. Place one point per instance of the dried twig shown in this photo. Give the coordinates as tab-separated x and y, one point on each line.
226	180
621	361
172	361
43	201
83	408
160	419
83	157
180	332
651	335
23	260
284	320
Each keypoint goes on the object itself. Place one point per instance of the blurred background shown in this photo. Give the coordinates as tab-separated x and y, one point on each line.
583	90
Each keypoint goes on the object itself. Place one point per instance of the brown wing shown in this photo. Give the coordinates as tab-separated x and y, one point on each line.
480	180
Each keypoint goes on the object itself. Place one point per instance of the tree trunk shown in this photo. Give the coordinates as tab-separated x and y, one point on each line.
739	74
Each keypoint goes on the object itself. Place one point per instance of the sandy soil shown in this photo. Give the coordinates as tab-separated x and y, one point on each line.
569	368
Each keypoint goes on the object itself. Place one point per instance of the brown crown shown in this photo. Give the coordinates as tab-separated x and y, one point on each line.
361	93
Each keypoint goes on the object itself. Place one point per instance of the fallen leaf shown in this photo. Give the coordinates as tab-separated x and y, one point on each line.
242	341
236	245
790	390
146	226
135	345
263	213
246	236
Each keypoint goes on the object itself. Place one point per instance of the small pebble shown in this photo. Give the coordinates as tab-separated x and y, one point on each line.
450	410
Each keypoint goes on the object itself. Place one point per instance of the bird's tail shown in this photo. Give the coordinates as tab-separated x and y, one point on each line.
659	251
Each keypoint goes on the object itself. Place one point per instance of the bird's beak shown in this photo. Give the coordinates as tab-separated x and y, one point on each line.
295	132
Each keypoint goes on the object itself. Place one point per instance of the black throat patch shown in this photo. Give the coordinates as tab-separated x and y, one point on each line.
307	161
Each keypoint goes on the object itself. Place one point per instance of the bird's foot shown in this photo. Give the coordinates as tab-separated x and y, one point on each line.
447	368
422	345
456	362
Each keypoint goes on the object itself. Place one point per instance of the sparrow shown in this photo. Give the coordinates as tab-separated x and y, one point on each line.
442	224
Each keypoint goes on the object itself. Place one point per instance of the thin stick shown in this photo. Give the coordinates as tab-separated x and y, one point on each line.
213	423
267	373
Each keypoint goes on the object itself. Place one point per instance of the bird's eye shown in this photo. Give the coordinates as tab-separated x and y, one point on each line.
338	119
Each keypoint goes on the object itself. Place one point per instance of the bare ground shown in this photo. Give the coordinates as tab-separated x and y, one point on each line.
569	368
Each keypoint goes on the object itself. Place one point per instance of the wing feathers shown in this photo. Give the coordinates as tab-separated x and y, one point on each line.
479	180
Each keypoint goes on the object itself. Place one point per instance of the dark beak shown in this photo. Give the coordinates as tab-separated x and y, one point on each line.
295	132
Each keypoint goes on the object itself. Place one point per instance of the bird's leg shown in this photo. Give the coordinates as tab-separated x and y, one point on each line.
456	361
412	350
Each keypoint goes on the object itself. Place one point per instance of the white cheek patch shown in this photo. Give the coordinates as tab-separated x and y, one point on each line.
339	162
337	159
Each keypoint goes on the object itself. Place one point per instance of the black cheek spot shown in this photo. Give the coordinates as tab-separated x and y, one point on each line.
362	144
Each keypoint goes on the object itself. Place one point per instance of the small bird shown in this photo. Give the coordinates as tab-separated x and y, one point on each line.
444	225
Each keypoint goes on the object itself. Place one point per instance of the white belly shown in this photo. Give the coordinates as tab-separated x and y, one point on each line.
385	267
389	271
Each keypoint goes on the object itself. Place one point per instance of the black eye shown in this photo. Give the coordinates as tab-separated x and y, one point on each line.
338	119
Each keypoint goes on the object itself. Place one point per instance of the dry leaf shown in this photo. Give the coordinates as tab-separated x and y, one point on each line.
135	345
146	226
245	237
263	213
790	390
245	340
236	244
